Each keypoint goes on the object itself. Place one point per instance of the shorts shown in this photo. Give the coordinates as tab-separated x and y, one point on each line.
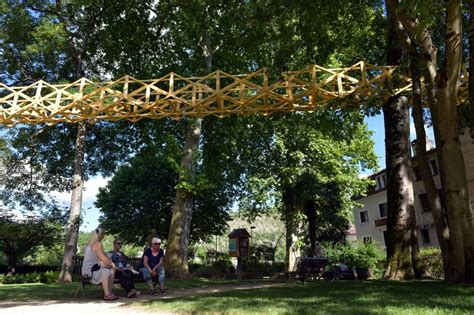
98	276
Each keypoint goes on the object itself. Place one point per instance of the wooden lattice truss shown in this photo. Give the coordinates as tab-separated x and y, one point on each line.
217	93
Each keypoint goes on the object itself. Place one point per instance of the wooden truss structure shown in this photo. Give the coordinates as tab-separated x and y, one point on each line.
218	93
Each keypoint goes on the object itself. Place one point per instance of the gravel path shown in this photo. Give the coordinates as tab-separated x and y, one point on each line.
84	306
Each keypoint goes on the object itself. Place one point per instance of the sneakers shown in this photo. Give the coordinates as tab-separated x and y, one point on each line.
162	291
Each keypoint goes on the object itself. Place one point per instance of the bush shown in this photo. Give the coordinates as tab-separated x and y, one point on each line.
207	272
223	266
45	277
358	254
433	261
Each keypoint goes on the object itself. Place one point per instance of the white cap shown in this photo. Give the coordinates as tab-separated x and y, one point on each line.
156	240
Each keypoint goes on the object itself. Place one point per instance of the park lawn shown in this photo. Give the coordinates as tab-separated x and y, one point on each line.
340	297
39	291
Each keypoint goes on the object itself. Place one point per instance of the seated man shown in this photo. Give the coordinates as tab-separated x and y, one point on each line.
152	266
344	270
123	273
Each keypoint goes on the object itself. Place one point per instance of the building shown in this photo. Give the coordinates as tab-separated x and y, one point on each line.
371	218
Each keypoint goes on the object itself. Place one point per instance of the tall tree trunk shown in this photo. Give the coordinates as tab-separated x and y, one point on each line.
400	210
311	215
74	222
437	211
176	259
176	262
471	66
290	257
12	259
442	92
72	233
402	248
453	172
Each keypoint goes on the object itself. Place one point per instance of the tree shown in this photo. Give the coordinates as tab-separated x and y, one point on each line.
402	244
442	94
20	236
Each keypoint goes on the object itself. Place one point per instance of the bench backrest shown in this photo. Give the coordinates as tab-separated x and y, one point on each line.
78	260
311	264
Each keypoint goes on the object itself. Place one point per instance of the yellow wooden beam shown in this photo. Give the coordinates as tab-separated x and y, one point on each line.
218	93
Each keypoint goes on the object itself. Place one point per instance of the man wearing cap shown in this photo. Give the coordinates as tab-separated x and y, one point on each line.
152	266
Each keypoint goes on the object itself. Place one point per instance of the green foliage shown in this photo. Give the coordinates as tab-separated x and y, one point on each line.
209	272
18	237
48	277
356	254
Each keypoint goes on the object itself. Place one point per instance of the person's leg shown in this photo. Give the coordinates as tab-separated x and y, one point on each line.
161	278
108	280
127	283
124	279
104	276
147	277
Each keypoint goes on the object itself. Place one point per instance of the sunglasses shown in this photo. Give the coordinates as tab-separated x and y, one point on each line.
118	243
156	243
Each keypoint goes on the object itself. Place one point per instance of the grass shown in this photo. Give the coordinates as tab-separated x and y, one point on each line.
341	297
39	291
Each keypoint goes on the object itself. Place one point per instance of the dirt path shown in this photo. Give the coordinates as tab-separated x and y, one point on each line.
122	306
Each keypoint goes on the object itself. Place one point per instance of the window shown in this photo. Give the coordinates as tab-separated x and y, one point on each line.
417	173
434	168
367	239
383	210
425	236
425	205
381	180
385	237
364	216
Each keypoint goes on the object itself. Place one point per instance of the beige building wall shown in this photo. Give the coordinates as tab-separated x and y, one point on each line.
376	225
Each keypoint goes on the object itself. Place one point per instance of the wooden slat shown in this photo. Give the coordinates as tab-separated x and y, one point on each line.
217	93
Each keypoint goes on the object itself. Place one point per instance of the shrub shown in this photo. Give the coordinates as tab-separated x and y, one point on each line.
433	261
45	277
207	272
358	254
223	266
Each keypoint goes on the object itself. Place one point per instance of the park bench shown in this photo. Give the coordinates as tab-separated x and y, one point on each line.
84	279
308	268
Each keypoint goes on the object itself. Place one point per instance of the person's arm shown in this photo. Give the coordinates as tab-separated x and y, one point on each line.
145	263
104	260
160	263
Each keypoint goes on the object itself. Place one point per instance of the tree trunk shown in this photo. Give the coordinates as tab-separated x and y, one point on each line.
471	66
437	211
311	215
403	260
12	260
290	257
442	93
453	172
400	210
72	233
176	262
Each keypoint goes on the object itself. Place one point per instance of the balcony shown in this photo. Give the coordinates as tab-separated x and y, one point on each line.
381	222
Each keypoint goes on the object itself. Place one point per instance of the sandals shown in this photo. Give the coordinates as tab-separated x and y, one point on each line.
153	292
133	293
110	297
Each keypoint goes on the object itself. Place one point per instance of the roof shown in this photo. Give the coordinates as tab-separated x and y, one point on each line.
239	233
